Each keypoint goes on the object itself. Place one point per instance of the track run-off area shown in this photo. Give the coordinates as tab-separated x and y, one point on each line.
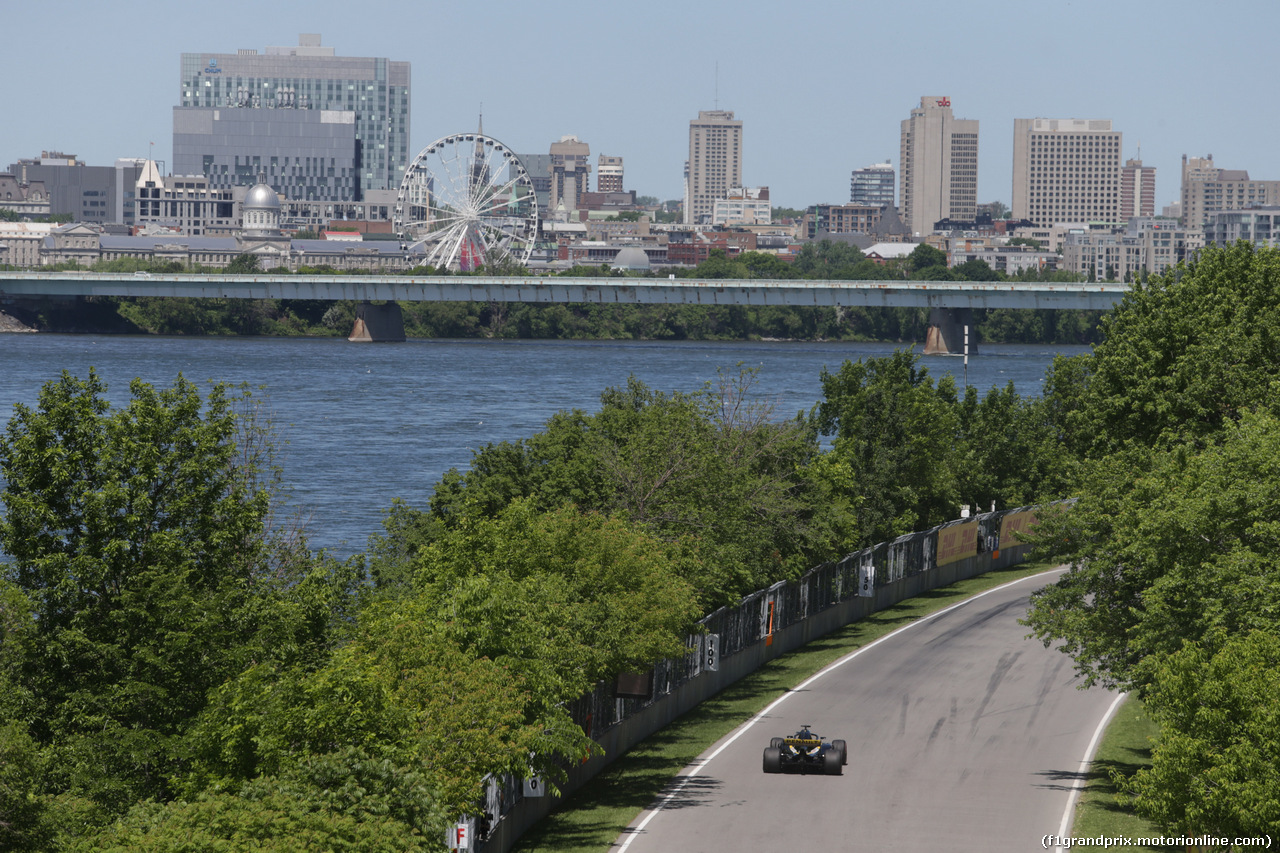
963	735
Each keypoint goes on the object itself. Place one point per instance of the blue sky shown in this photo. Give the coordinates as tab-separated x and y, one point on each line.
820	86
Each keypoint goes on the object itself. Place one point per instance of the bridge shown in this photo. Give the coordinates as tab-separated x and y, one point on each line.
949	301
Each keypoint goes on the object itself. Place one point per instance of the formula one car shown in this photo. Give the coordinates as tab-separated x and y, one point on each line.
806	752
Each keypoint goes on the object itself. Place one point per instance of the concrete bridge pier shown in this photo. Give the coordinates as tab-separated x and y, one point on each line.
377	323
946	332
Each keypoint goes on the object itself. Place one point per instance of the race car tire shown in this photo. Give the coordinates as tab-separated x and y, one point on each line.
772	760
843	749
777	743
832	763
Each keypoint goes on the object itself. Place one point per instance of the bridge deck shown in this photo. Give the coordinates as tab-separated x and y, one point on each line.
791	292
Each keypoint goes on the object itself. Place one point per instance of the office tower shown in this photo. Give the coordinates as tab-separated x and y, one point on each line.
609	174
1207	190
570	172
256	99
715	163
872	186
1137	190
1066	170
939	166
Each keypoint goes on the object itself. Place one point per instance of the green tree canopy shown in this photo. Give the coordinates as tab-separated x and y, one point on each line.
1186	352
142	558
896	431
711	468
924	258
1167	546
1217	762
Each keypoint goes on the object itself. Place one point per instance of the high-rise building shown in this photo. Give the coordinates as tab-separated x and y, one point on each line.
1066	170
939	166
715	163
1137	190
1207	190
290	80
872	186
609	174
570	172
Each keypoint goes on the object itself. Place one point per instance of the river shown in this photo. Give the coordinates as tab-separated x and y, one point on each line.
363	424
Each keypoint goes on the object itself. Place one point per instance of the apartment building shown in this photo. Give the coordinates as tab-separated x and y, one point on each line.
1148	245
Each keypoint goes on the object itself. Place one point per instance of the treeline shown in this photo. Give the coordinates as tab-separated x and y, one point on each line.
179	671
823	260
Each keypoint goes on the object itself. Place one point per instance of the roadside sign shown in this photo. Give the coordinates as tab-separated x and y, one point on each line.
711	652
533	787
460	836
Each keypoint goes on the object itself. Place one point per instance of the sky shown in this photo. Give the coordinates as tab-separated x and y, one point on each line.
820	86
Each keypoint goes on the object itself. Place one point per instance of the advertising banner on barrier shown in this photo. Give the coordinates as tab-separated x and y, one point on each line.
957	542
1013	524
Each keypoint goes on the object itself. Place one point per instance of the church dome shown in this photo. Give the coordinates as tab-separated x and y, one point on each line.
631	258
261	197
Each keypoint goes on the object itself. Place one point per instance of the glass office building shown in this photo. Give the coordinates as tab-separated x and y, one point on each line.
286	80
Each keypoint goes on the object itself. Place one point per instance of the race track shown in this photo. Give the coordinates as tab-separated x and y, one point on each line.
963	736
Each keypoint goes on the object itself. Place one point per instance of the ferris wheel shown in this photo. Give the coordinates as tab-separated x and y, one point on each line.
467	200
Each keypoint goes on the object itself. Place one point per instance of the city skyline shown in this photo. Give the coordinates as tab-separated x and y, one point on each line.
633	83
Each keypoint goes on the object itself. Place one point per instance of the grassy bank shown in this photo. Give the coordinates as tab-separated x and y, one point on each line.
1125	748
590	820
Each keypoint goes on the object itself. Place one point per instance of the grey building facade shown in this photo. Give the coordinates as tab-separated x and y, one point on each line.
304	154
308	77
101	194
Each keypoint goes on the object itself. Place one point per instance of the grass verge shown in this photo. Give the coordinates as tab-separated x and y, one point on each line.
1125	749
591	819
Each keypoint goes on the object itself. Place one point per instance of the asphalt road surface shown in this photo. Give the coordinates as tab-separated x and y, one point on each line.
963	736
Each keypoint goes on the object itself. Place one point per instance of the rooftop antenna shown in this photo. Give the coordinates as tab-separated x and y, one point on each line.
717	84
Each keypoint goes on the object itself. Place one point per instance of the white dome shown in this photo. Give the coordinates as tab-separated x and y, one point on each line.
631	258
261	197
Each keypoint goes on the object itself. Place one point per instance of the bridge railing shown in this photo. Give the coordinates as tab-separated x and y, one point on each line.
765	625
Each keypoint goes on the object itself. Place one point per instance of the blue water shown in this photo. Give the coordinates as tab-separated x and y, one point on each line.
366	423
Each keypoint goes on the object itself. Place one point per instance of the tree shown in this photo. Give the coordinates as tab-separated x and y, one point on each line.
896	432
925	258
1167	546
711	467
718	265
1217	761
1010	453
1185	353
140	547
244	263
563	598
23	823
975	270
340	802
